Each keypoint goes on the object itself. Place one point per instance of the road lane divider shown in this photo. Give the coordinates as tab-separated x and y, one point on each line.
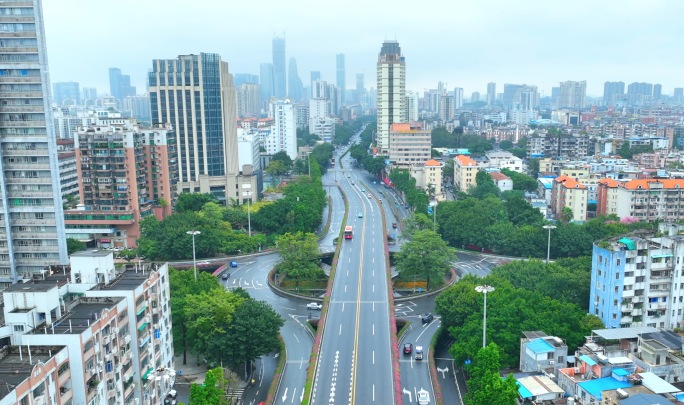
312	368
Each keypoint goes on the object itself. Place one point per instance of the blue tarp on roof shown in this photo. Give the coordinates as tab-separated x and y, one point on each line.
621	372
587	360
594	387
524	392
539	346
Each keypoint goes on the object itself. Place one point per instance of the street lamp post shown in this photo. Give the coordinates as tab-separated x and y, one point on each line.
548	246
194	261
249	219
484	289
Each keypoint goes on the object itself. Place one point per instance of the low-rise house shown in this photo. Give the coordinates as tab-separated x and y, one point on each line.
502	181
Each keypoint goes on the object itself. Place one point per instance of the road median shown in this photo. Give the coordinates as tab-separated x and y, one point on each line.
278	376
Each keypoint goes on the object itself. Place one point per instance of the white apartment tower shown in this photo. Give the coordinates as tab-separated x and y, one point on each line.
458	97
412	106
391	71
32	233
572	94
284	133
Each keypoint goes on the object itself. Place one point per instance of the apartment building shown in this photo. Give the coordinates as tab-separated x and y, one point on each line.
503	182
31	213
283	135
249	100
301	112
502	159
68	173
567	192
114	322
428	176
551	146
409	145
391	89
465	171
538	351
124	171
651	199
607	197
138	106
35	375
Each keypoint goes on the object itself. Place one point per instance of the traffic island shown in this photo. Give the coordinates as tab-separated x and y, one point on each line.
436	387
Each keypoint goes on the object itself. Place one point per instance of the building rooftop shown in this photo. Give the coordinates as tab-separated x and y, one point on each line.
432	162
498	176
16	367
31	287
465	160
594	387
657	384
646	184
644	399
668	338
537	385
92	253
79	317
622	333
130	277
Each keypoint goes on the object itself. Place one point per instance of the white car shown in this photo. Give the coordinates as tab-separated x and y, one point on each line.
423	397
202	263
369	196
314	305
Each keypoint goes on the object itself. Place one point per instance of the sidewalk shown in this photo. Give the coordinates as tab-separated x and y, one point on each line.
190	372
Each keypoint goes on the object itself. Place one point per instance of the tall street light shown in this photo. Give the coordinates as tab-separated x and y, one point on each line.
194	261
484	289
548	247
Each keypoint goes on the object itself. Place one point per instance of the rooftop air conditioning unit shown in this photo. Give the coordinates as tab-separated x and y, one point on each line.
577	370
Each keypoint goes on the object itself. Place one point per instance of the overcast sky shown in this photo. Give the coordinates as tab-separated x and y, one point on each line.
463	43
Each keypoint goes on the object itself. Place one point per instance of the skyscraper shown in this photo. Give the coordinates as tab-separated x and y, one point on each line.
640	88
491	93
120	85
610	88
249	101
267	84
458	98
205	121
279	70
391	91
240	78
31	212
657	91
88	92
315	75
412	106
341	75
512	95
475	97
294	83
572	94
66	90
359	88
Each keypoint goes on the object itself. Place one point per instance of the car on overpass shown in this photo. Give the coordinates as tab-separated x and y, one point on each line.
314	305
423	397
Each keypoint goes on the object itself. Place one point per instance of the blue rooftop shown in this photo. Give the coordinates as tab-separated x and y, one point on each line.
646	399
588	360
539	346
621	372
524	392
594	387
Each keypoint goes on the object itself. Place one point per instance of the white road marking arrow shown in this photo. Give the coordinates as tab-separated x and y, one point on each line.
444	370
301	397
407	392
285	395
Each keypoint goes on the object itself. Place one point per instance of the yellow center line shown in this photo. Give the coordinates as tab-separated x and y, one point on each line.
358	312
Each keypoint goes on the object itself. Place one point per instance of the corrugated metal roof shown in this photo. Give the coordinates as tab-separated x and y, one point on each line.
540	346
594	387
587	360
623	333
540	385
619	360
621	372
657	384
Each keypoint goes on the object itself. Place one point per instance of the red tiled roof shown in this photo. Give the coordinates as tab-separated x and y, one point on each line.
465	160
667	183
609	182
498	176
432	162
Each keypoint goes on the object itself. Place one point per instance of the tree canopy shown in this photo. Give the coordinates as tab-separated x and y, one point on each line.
74	246
425	256
299	256
193	201
521	181
485	386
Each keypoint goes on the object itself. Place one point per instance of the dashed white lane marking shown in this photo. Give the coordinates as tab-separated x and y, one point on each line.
340	329
345	288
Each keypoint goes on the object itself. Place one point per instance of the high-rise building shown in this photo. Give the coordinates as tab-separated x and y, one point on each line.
248	101
446	108
279	69
240	78
412	106
572	94
458	98
294	90
475	97
341	75
202	108
108	183
139	106
512	95
267	84
610	88
315	75
120	85
359	88
66	90
409	145
283	137
555	93
645	89
31	210
491	93
657	91
391	91
88	92
678	92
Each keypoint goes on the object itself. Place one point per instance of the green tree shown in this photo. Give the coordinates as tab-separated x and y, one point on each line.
521	212
508	194
506	145
212	212
71	201
182	285
425	256
566	215
299	256
237	218
485	386
480	148
282	156
193	201
519	152
74	246
128	254
521	181
533	167
416	222
483	177
448	169
209	393
253	333
276	168
435	154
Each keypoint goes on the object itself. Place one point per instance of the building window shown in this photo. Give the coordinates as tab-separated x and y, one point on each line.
617	275
18	328
618	262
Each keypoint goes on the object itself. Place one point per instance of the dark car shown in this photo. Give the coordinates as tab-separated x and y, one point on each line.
408	347
427	318
394	224
407	206
225	276
233	264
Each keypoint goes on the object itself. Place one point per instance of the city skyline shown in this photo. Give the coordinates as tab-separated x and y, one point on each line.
544	65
